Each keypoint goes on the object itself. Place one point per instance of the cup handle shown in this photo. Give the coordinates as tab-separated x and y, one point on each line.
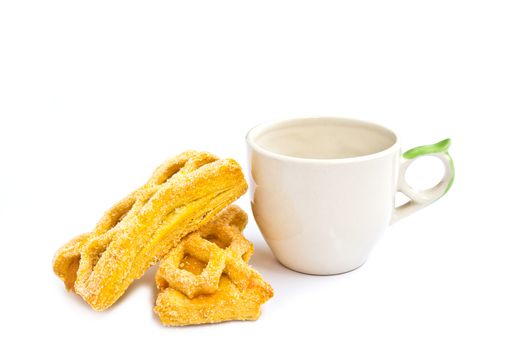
420	199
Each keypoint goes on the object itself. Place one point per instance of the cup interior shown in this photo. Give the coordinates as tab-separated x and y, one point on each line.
322	138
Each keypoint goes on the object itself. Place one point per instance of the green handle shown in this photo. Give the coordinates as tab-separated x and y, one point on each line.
420	199
439	147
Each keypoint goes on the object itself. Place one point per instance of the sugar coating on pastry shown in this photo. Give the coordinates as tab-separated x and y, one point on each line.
183	194
206	277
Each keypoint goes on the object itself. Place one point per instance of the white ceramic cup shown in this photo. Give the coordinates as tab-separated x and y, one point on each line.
323	189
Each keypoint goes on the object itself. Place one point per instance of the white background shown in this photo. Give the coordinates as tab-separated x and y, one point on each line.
95	94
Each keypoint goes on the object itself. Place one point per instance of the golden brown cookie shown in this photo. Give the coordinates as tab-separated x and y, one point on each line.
183	194
206	278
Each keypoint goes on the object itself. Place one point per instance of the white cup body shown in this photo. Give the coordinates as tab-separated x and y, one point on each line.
322	190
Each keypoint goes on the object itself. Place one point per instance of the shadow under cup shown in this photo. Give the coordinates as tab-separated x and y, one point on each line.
322	190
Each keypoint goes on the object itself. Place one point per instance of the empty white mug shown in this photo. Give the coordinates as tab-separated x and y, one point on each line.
323	188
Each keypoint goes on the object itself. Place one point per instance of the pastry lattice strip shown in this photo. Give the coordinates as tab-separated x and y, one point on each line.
183	194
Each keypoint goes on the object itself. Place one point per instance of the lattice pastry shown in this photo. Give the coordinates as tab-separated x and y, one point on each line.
183	194
206	278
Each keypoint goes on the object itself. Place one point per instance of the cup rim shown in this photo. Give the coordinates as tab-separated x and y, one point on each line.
250	140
